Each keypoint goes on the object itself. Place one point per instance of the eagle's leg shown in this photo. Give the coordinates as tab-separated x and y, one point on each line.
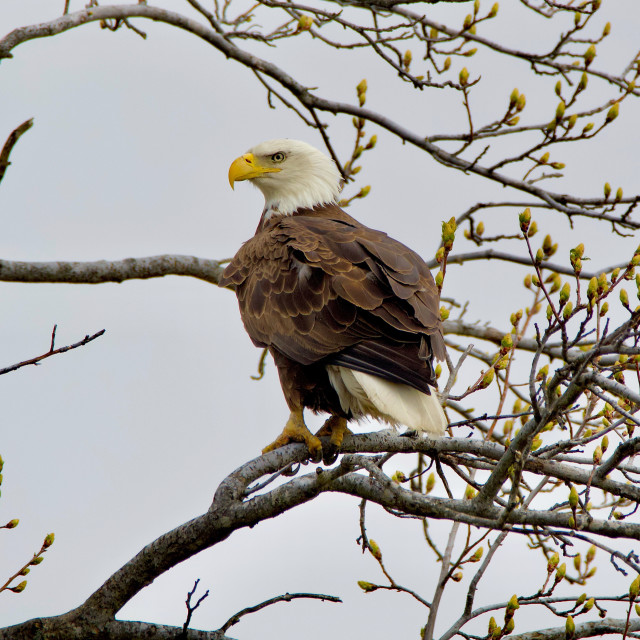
296	431
336	428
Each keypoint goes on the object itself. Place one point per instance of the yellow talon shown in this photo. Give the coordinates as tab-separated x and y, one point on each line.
296	431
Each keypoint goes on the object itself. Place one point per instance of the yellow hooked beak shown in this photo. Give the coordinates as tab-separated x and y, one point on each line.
246	167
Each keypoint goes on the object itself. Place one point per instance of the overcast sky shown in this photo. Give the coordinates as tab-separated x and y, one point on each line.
113	444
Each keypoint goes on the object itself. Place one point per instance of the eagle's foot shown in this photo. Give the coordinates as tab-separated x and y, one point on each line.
296	431
336	428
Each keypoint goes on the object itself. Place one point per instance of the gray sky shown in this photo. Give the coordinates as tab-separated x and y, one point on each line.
115	443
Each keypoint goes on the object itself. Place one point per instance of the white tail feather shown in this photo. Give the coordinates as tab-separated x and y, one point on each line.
398	404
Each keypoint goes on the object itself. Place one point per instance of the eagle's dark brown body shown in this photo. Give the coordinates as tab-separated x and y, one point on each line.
318	288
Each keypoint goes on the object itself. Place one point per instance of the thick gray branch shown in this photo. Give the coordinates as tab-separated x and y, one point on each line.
111	270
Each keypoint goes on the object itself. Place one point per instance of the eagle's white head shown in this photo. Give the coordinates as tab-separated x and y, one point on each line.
291	175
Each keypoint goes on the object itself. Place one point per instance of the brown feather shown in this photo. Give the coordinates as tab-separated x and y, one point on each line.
319	288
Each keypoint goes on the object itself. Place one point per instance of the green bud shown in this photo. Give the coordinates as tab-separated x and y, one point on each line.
592	289
487	379
492	625
591	554
431	482
37	560
398	477
367	587
406	60
364	192
558	88
634	588
597	455
464	76
612	114
509	626
561	572
560	111
513	603
571	122
607	190
19	588
494	10
48	541
569	628
565	292
573	497
375	550
513	98
619	194
444	313
457	576
582	85
439	279
553	561
447	63
580	599
588	605
589	55
566	312
577	561
24	571
477	556
521	102
12	524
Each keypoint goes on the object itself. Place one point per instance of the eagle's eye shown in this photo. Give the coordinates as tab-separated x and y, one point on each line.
278	157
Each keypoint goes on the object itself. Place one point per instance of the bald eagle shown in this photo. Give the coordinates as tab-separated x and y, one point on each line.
350	315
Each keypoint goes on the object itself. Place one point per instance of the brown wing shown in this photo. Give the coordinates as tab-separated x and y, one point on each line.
318	285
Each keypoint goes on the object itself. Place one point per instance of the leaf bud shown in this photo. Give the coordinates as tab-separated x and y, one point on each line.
431	482
634	588
533	229
544	158
447	63
591	553
24	571
561	572
375	550
560	110
584	79
372	142
494	10
525	219
604	309
406	60
637	608
558	88
37	560
469	493
492	625
597	455
571	122
607	30
535	280
527	281
470	52
305	23
521	102
513	603
516	317
588	605
592	288
569	628
553	561
480	228
487	379
589	55
398	477
19	588
477	556
543	372
367	587
438	370
576	18
612	114
619	194
509	626
577	561
513	98
464	76
48	541
506	343
565	293
439	279
12	524
444	313
457	576
364	192
573	497
440	255
468	21
580	599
